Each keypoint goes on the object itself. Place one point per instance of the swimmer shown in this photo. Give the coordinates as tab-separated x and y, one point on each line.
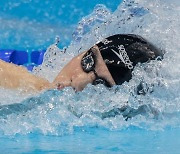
109	62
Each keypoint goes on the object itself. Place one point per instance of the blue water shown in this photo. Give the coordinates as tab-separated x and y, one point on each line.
93	140
33	25
49	122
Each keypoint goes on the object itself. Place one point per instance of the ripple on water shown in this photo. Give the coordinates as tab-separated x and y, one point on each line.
59	112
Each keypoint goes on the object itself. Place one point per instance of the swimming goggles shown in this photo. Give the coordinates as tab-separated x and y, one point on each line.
88	63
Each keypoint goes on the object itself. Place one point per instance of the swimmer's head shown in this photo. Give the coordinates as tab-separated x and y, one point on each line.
110	61
122	52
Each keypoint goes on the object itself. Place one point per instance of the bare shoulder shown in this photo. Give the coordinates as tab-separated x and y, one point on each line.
15	77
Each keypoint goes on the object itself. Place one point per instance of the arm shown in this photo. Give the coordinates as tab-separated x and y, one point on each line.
17	77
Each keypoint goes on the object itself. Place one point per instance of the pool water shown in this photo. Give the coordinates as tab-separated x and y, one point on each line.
67	122
93	140
33	25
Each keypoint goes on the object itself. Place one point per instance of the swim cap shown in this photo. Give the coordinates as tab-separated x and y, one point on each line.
122	52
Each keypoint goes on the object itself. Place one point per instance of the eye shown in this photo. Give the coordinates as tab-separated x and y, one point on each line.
88	62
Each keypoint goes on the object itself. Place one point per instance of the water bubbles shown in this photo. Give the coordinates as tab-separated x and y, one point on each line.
154	86
98	16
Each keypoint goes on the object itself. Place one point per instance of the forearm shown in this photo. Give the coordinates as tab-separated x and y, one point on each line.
16	77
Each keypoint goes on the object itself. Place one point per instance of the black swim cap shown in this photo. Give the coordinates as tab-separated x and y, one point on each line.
122	52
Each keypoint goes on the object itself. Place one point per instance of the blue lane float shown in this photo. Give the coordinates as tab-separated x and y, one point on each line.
6	54
37	57
22	57
19	57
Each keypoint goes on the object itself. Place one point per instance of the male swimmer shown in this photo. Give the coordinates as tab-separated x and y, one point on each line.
109	62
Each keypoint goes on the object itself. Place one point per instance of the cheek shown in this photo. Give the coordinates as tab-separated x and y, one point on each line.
79	82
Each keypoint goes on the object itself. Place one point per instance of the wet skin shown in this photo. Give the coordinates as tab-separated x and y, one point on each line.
17	77
72	75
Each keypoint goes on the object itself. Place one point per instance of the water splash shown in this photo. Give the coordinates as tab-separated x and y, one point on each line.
59	112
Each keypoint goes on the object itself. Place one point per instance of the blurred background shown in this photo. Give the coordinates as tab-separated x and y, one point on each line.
33	24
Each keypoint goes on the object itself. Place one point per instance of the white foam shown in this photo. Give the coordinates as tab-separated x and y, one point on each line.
157	21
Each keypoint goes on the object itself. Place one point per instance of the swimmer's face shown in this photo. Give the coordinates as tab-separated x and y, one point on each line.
73	75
